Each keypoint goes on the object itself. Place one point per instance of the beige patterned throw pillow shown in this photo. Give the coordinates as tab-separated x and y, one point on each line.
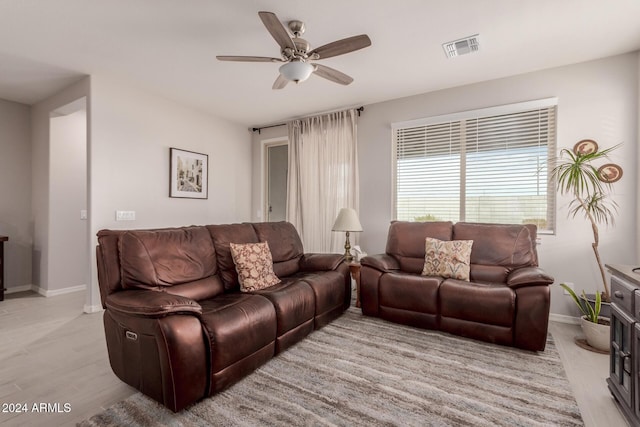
447	258
254	266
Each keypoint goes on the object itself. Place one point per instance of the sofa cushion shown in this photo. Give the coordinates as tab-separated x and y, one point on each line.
286	246
498	244
108	258
410	292
254	266
294	303
237	326
329	293
222	235
498	249
160	259
447	258
405	241
488	303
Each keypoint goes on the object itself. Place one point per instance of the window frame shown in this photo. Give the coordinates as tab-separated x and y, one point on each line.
475	114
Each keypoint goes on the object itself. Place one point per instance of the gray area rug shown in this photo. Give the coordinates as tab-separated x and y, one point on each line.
365	371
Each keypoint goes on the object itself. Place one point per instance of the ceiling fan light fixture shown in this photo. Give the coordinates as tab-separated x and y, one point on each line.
297	71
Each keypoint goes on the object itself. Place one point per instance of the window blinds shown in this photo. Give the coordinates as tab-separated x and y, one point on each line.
490	168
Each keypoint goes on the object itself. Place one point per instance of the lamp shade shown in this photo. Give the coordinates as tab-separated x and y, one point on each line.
296	71
347	220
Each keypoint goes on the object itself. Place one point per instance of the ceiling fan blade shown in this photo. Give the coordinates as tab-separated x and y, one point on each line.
280	82
277	30
248	58
332	74
343	46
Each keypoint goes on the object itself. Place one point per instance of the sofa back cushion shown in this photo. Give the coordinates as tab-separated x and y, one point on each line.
108	259
406	241
223	235
533	234
497	249
176	260
285	244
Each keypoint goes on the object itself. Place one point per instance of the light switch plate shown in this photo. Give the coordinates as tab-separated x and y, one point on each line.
125	215
83	214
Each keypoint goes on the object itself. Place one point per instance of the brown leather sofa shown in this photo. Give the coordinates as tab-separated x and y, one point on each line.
177	327
506	300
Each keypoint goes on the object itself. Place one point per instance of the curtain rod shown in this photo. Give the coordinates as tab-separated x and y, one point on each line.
259	129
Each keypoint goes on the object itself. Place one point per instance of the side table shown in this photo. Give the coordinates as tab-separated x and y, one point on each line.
2	240
354	268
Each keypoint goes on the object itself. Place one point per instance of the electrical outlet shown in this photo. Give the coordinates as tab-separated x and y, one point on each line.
569	285
125	215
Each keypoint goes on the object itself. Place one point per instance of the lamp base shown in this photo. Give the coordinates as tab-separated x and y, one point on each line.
347	249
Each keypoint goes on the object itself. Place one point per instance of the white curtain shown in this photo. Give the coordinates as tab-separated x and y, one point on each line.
323	178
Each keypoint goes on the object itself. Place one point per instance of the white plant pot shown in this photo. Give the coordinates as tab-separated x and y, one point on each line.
597	335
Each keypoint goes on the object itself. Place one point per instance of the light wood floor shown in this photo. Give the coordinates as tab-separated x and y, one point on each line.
52	353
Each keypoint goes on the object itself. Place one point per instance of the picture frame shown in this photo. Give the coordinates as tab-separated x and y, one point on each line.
188	174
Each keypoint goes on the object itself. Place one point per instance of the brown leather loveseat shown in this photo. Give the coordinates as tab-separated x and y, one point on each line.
177	327
505	301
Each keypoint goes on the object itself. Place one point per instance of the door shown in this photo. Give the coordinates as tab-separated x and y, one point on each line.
277	172
620	358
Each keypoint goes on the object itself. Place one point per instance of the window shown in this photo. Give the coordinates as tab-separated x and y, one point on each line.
487	165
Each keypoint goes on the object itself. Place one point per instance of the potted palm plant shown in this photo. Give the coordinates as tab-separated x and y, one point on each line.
591	190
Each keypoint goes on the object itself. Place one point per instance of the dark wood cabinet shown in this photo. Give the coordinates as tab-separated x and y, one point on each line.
624	361
620	371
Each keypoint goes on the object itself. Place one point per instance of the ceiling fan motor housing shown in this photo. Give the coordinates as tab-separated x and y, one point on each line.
297	27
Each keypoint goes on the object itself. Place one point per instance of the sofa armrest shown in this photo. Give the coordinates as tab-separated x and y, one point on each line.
528	276
382	262
320	262
145	303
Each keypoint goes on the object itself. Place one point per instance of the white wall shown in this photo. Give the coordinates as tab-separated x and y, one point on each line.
130	135
15	193
68	234
637	177
597	100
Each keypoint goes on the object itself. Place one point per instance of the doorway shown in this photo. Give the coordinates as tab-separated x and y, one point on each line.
68	236
276	174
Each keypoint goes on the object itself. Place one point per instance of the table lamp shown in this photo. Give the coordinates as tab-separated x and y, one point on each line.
347	221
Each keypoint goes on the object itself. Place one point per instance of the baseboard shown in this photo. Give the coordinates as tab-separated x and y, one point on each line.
16	289
45	292
561	318
55	292
92	308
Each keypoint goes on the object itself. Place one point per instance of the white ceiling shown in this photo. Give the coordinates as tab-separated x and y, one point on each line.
169	47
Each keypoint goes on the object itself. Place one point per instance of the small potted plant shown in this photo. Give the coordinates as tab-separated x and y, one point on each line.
590	187
594	326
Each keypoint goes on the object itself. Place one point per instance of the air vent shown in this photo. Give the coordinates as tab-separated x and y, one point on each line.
462	46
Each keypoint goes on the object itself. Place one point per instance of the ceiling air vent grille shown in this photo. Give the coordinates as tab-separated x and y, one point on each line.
462	46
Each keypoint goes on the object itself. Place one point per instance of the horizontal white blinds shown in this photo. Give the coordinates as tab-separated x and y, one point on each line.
484	169
428	172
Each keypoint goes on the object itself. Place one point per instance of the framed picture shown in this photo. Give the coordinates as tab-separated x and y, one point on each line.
189	174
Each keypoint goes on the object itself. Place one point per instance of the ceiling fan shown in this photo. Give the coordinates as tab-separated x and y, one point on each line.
296	53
